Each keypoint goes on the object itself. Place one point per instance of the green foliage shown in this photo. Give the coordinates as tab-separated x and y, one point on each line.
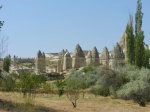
139	49
47	87
138	17
1	22
138	88
98	90
128	82
139	38
130	41
90	78
75	84
6	64
60	86
8	83
78	78
88	68
29	82
147	58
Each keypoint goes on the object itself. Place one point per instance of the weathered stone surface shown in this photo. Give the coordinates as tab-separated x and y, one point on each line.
117	57
78	59
122	42
105	54
39	54
62	53
59	66
89	55
95	57
40	62
67	55
67	63
60	62
95	53
123	45
78	52
105	57
89	58
118	52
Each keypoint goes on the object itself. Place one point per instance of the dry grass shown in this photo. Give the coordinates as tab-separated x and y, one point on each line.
13	102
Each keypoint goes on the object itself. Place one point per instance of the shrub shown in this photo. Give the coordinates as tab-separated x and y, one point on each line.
47	87
60	86
138	88
88	68
97	90
28	83
73	85
8	83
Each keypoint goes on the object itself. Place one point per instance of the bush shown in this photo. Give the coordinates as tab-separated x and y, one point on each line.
88	68
8	83
138	88
97	90
29	82
73	85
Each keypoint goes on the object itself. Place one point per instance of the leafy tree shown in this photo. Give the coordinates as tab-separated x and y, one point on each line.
147	58
3	40
138	17
29	82
73	90
60	86
1	22
72	86
139	38
8	83
6	63
47	87
130	41
139	49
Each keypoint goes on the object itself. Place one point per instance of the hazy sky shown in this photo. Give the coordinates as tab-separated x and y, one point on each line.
53	25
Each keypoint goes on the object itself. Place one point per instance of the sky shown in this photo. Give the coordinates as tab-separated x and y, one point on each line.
53	25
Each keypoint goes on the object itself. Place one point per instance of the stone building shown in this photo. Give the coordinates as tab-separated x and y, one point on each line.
40	64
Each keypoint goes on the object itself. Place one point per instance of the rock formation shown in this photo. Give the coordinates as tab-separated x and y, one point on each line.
78	59
40	62
105	57
67	62
95	57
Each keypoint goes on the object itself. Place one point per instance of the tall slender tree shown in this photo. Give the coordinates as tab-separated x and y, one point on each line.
130	41
6	63
138	17
3	40
1	22
139	36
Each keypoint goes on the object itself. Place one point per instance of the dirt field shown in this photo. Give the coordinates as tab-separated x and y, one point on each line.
13	102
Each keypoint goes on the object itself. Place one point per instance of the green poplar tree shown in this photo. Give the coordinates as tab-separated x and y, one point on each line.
1	22
130	41
6	64
139	37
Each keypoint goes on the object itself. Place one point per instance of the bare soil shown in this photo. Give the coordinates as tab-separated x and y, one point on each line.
14	102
